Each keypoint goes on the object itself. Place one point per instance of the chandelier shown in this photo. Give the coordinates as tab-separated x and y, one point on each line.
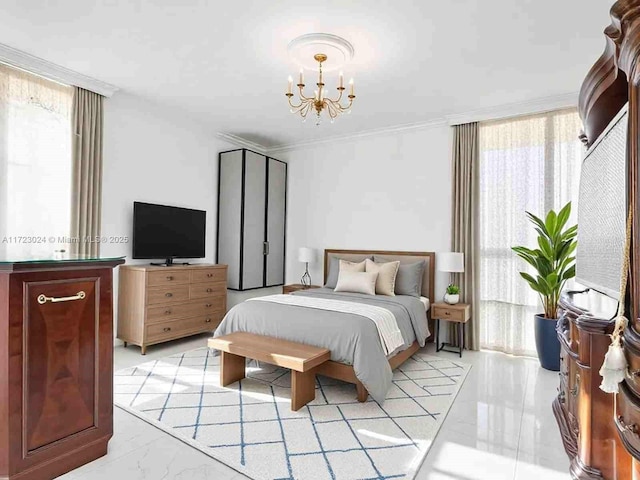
320	102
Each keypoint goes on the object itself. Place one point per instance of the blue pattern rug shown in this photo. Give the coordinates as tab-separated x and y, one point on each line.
250	427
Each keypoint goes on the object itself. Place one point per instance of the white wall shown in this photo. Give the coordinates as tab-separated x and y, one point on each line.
155	155
387	192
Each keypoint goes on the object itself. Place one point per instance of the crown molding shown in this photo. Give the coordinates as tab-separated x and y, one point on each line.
24	61
241	142
529	107
406	127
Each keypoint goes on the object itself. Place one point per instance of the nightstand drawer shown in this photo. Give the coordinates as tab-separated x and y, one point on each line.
454	314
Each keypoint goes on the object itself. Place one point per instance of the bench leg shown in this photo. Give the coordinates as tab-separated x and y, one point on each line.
362	392
303	388
231	368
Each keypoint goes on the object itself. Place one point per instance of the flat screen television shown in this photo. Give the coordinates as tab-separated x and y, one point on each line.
164	232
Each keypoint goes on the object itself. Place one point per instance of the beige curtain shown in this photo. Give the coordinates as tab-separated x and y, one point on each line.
529	163
464	234
86	200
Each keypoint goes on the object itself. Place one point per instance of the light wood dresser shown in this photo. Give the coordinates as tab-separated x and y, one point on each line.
158	304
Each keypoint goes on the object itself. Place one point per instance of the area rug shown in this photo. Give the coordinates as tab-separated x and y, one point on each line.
250	427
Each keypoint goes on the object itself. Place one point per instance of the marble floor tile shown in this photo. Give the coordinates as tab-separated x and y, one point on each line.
500	427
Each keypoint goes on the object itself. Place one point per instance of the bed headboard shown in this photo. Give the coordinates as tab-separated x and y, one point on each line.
390	256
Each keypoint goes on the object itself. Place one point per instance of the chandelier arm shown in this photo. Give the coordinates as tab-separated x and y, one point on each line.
337	100
302	95
295	106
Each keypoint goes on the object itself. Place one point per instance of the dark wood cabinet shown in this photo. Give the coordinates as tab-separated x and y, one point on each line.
56	366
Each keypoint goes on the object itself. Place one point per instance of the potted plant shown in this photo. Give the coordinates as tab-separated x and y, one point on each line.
554	263
452	295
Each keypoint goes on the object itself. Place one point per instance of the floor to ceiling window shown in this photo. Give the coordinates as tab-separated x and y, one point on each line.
529	163
35	164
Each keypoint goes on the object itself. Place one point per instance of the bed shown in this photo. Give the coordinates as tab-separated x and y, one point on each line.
357	353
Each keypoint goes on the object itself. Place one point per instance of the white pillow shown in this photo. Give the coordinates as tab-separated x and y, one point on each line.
357	282
387	272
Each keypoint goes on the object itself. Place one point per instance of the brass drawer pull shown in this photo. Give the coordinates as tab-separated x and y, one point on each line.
632	428
208	305
166	329
167	312
208	320
168	295
209	275
169	277
42	299
209	290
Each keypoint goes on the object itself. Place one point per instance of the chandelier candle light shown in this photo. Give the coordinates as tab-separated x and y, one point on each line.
319	101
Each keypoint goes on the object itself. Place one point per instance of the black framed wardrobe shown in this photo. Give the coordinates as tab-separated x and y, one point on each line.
252	212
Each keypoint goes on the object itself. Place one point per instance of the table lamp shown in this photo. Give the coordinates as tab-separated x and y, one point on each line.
451	262
306	255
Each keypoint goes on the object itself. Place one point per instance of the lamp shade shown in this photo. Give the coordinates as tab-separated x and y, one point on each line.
306	255
450	262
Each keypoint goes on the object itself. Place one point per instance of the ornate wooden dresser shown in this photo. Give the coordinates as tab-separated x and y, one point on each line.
601	432
56	365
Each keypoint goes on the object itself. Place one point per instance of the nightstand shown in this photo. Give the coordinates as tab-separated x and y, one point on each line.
459	313
294	287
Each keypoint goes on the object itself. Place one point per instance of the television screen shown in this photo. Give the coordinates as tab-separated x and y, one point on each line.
164	232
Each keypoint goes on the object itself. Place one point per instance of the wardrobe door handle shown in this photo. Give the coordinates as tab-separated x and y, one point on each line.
265	248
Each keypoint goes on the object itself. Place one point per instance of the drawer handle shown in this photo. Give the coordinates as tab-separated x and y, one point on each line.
209	290
633	428
169	277
167	312
166	329
168	295
42	299
209	275
208	305
208	320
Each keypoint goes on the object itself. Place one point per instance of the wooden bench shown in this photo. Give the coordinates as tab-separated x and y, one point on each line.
301	359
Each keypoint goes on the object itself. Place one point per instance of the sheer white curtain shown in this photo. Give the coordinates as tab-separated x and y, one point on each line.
531	164
35	164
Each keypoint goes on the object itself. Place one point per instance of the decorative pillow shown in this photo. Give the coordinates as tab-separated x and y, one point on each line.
356	282
409	278
385	284
334	270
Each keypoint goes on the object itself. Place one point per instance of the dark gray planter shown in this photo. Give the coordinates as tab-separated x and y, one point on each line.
547	343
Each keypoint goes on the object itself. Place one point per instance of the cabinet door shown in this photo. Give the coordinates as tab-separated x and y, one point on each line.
255	181
229	214
60	381
276	223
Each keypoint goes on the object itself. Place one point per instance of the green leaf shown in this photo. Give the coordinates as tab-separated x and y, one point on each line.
538	222
563	216
569	273
551	223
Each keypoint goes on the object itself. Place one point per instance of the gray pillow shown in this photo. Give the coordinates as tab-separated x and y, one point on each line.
334	270
409	279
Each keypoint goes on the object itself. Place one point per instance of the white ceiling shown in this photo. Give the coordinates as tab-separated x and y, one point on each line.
226	62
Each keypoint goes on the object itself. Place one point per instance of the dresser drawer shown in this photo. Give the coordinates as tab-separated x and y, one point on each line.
177	328
628	417
444	313
204	290
169	294
209	275
167	277
182	310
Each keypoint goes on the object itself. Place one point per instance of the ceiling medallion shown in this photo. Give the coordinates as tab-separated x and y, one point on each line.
320	46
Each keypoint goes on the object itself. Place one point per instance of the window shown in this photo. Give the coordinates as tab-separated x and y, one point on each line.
526	164
35	164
